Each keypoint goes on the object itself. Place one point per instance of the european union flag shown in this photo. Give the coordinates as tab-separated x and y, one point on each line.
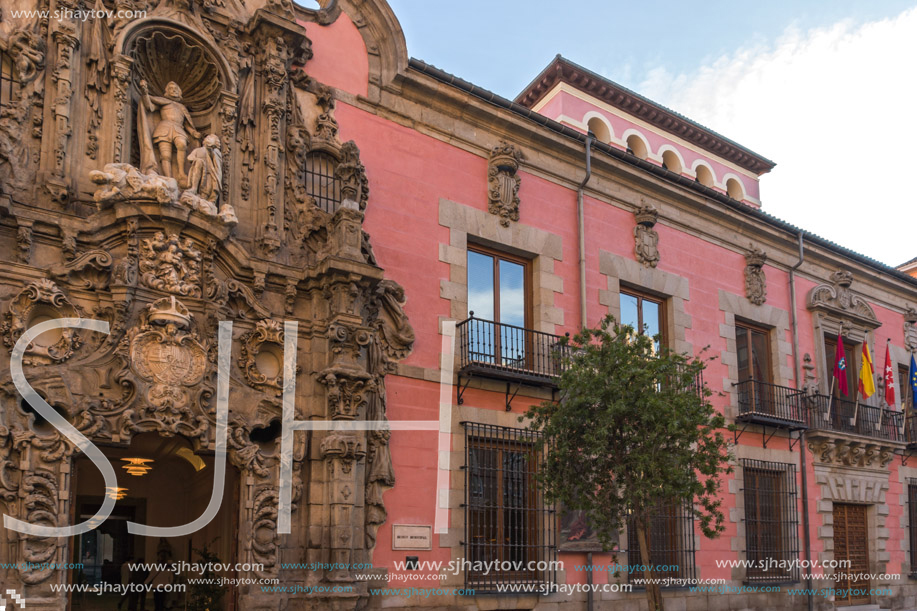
913	377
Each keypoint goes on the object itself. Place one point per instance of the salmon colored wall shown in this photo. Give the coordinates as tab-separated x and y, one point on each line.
408	175
339	55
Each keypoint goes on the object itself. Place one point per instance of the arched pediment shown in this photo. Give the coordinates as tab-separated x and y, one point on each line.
836	299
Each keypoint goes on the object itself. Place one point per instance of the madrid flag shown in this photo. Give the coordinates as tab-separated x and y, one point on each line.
889	379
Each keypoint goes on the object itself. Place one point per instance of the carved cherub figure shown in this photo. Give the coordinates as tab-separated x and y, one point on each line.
168	134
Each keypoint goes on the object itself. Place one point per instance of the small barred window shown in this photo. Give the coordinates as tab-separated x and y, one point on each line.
321	182
771	521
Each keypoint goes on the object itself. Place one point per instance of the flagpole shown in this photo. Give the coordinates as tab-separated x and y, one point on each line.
840	336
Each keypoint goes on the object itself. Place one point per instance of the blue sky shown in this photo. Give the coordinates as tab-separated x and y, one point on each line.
785	78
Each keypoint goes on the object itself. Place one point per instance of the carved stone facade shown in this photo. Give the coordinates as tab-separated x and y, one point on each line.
173	196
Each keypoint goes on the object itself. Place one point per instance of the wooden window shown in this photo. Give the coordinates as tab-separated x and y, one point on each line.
850	352
499	289
671	541
904	387
753	353
506	519
646	314
771	522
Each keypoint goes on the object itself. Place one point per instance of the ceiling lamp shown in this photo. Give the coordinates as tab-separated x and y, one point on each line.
137	466
116	493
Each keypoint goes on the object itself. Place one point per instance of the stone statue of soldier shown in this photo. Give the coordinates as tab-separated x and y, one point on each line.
168	133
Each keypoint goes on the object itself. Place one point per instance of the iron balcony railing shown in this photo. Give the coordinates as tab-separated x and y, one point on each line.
843	416
510	352
910	436
769	403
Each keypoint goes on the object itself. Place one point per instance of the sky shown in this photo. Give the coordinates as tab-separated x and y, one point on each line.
825	89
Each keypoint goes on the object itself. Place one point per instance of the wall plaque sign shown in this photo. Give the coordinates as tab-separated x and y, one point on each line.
411	536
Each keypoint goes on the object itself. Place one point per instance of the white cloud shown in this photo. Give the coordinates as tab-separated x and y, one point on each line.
833	107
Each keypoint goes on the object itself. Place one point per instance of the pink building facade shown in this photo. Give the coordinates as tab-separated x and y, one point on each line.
507	224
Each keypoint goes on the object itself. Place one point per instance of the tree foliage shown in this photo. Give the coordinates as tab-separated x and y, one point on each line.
632	431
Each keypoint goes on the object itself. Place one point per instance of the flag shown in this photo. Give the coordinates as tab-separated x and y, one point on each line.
913	378
889	379
840	366
867	375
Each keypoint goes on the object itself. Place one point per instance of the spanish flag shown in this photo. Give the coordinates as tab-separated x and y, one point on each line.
867	375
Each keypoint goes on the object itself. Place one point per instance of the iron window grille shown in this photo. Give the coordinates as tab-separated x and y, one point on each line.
912	522
321	183
771	522
671	539
9	86
506	517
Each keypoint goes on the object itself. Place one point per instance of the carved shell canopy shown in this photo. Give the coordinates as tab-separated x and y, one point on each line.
161	58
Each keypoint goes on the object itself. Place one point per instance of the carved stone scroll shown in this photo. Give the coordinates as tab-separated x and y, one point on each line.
503	182
646	240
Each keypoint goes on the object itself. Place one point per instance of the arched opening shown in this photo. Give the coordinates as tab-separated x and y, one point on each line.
734	189
704	176
173	489
9	86
636	146
599	130
671	162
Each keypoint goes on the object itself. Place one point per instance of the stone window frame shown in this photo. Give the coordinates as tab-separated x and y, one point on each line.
468	224
736	485
772	318
826	327
847	485
672	288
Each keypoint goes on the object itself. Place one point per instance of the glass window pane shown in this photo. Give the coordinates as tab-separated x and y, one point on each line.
481	285
512	293
629	315
651	317
742	354
759	356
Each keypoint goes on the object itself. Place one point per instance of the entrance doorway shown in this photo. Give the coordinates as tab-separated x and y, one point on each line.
161	482
851	544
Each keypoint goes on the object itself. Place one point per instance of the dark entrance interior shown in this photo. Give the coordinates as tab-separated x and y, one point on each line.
168	485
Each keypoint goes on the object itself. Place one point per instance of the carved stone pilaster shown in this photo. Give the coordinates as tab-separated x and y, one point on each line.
503	182
347	233
274	63
342	452
228	105
67	41
755	281
646	240
121	73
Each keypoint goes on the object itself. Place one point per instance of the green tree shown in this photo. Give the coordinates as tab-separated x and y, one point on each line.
632	432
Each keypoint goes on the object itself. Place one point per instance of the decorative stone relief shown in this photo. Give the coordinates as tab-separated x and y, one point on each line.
910	329
170	264
755	281
122	182
837	298
646	240
98	77
352	174
850	453
503	182
67	41
40	301
24	239
90	270
260	346
42	509
171	360
396	334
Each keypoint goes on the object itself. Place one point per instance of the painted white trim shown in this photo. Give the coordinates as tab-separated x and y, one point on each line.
649	151
738	180
592	114
701	162
681	160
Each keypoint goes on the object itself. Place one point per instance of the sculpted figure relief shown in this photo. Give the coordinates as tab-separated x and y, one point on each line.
168	133
205	181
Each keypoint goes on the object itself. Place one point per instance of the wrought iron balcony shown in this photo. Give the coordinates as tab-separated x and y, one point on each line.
910	431
508	352
843	416
772	405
